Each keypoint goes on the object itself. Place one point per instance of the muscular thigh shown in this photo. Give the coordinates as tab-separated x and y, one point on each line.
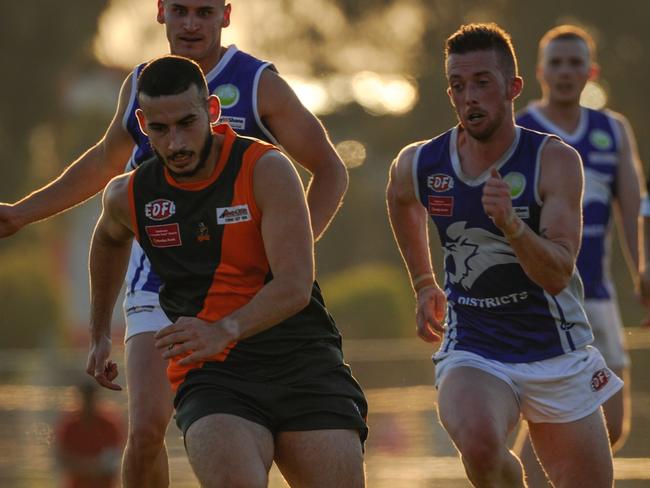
574	453
226	450
472	401
302	455
150	394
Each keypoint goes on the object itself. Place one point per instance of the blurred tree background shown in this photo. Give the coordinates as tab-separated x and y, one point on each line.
372	70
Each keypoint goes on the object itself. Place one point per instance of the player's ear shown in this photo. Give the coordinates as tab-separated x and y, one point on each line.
226	15
594	71
214	109
139	114
516	87
161	12
539	72
451	99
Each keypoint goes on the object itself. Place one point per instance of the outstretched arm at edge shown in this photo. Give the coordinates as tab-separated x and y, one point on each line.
82	179
630	190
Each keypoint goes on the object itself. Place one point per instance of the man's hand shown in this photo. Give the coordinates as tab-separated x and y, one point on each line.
9	222
430	313
99	366
496	200
197	337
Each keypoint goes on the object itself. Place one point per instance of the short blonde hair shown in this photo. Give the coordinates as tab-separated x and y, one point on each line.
567	32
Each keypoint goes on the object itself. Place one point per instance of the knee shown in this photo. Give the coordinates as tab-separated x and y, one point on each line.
145	436
483	457
482	450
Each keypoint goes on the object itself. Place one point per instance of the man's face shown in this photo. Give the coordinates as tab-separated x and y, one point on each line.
564	69
479	92
194	27
178	127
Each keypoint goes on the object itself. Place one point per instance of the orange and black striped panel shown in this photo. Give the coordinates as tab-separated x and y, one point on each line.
204	241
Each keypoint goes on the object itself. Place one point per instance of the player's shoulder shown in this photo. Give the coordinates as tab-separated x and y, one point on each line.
130	81
560	163
408	152
432	147
117	189
236	52
402	168
117	198
618	119
270	159
555	148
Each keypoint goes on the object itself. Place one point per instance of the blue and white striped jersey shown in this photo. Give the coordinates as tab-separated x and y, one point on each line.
494	309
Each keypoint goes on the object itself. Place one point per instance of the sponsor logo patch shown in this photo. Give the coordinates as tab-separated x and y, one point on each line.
228	95
600	379
443	206
440	182
139	308
600	139
567	325
160	209
233	215
522	212
237	123
604	158
166	235
202	233
517	183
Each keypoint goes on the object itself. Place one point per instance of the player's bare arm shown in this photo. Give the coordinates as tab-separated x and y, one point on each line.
304	138
280	198
409	219
630	185
548	258
82	179
109	256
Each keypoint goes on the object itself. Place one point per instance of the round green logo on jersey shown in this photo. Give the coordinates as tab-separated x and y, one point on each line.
600	139
228	95
516	182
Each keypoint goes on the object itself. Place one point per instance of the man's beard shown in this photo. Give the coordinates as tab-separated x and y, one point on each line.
203	158
486	133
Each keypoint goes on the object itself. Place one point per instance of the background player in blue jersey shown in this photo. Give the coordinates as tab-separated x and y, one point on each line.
194	30
506	203
613	183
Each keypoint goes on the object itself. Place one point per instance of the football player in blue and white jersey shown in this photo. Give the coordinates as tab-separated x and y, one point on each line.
514	336
612	193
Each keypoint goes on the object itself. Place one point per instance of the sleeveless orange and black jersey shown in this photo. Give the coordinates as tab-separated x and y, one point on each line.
204	240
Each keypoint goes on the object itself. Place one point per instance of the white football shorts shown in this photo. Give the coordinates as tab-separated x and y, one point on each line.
561	389
607	326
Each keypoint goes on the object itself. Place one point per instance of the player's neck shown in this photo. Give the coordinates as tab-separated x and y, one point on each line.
208	63
476	155
564	115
